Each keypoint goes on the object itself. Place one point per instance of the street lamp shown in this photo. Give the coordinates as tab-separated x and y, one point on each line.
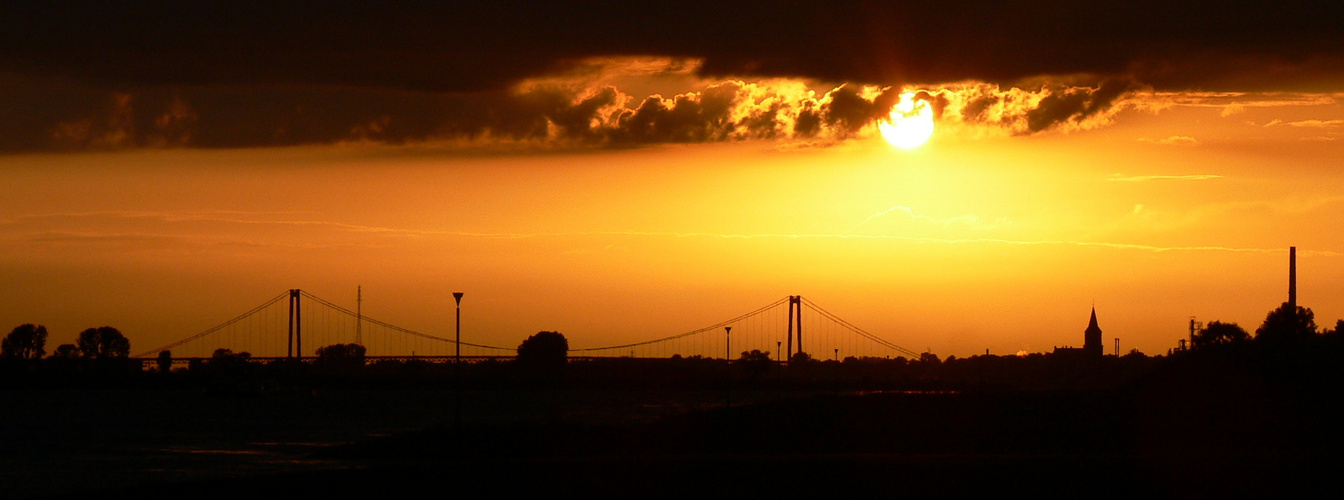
457	342
728	344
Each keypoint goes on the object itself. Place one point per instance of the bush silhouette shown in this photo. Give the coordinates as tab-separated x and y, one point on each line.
65	351
755	362
1218	333
341	358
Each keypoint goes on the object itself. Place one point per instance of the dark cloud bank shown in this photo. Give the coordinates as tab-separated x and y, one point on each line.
242	73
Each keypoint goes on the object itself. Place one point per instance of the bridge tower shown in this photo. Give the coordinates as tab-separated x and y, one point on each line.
795	310
295	325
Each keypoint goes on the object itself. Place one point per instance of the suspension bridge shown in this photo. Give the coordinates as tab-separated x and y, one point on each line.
297	327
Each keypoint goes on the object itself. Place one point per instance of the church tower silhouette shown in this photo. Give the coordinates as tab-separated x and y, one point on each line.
1092	336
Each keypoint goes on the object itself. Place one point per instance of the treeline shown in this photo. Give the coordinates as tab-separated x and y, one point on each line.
101	350
1288	326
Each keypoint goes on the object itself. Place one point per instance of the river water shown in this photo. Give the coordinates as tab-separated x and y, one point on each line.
55	442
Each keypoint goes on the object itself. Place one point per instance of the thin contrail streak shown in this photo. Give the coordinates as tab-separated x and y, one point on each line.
213	217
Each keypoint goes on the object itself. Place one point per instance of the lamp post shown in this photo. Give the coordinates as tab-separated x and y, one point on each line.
728	344
457	364
457	342
837	371
728	366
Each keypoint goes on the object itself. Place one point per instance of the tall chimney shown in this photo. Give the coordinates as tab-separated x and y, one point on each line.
1292	278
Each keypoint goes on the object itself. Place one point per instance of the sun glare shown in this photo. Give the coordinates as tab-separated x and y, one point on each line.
910	124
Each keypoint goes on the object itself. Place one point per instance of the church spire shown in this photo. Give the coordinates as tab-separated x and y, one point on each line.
1092	336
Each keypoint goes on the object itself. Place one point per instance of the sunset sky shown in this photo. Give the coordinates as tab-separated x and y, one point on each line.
621	172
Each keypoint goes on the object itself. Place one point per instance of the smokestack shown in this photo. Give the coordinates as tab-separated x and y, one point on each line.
1292	278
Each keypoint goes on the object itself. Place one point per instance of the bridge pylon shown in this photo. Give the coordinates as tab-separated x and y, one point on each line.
295	324
795	310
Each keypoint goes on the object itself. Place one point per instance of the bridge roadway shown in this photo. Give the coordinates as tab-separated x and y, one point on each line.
150	363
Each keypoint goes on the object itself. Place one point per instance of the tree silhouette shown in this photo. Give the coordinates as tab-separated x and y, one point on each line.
1218	333
103	342
26	341
1287	325
165	361
545	352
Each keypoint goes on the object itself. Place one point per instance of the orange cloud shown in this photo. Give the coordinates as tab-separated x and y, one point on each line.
599	102
1175	140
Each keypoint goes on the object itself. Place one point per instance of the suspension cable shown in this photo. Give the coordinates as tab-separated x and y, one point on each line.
397	328
688	334
858	330
216	328
827	314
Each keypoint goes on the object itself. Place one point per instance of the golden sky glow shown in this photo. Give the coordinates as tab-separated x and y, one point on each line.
1165	206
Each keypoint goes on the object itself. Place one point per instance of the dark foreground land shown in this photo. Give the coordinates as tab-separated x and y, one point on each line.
1044	444
1235	423
1052	445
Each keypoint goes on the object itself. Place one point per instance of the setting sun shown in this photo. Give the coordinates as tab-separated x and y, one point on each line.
910	124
